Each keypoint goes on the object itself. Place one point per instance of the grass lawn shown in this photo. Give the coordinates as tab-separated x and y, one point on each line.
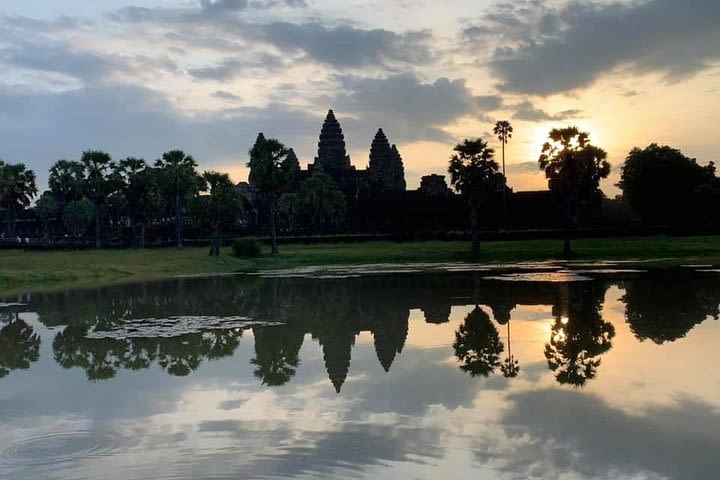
22	271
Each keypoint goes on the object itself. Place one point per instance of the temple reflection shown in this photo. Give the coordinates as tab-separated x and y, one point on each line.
179	325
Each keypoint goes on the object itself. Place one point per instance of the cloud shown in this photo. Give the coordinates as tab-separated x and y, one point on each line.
347	46
129	120
578	433
232	67
489	102
225	95
561	49
407	107
529	112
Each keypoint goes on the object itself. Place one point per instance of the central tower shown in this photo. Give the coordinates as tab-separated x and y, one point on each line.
332	157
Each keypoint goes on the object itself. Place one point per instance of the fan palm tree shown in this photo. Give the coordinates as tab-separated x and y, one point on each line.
574	169
272	169
179	179
97	185
504	130
17	189
474	173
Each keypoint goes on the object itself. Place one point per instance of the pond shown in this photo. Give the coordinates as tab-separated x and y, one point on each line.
376	374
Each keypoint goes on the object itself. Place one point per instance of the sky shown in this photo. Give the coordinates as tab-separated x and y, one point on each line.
140	78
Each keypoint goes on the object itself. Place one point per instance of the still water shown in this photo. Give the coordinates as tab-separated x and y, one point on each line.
604	374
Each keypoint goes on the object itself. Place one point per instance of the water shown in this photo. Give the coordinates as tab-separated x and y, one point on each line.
518	374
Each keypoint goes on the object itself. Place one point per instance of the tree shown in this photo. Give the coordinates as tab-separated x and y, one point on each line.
321	201
574	169
579	334
477	344
77	215
19	346
97	186
66	181
143	196
178	179
17	189
504	132
665	187
276	354
45	208
474	173
219	208
272	169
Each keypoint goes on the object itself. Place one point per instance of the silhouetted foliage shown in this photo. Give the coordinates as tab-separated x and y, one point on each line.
97	184
276	354
19	346
666	187
46	208
219	209
478	345
272	169
178	180
474	173
246	247
574	169
77	216
142	195
579	335
668	307
17	189
319	204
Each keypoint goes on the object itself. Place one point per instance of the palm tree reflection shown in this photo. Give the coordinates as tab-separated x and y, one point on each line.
578	335
477	344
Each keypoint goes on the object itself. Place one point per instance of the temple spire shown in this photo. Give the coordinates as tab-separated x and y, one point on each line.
332	155
386	166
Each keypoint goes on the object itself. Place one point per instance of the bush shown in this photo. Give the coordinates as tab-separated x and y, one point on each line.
246	247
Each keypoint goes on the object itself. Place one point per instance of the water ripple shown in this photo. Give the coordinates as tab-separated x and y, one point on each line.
63	447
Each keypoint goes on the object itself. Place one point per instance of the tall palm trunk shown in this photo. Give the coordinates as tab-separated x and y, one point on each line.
141	235
504	189
98	226
273	235
9	222
215	242
474	228
178	222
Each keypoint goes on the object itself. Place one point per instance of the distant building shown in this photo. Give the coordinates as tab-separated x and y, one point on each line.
434	186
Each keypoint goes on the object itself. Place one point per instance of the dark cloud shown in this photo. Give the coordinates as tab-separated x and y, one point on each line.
557	50
406	106
347	46
233	67
579	433
489	102
225	95
127	120
529	112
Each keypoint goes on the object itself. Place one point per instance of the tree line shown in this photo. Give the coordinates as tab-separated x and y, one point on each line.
660	184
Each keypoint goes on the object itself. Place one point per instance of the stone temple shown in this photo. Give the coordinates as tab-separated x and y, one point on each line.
385	172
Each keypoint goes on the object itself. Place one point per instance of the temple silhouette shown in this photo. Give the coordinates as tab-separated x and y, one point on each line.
378	200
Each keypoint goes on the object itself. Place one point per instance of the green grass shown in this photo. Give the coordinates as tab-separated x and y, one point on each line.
21	271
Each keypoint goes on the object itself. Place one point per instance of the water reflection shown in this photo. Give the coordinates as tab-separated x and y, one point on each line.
390	376
178	325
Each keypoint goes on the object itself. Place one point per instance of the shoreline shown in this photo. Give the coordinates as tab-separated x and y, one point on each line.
22	272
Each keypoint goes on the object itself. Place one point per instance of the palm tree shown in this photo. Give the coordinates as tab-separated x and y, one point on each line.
97	186
474	173
178	179
142	195
220	208
272	169
504	132
574	169
17	189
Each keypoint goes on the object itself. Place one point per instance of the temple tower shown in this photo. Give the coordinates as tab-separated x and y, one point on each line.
332	157
386	167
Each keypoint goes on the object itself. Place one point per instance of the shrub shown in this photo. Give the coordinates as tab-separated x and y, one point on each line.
246	247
